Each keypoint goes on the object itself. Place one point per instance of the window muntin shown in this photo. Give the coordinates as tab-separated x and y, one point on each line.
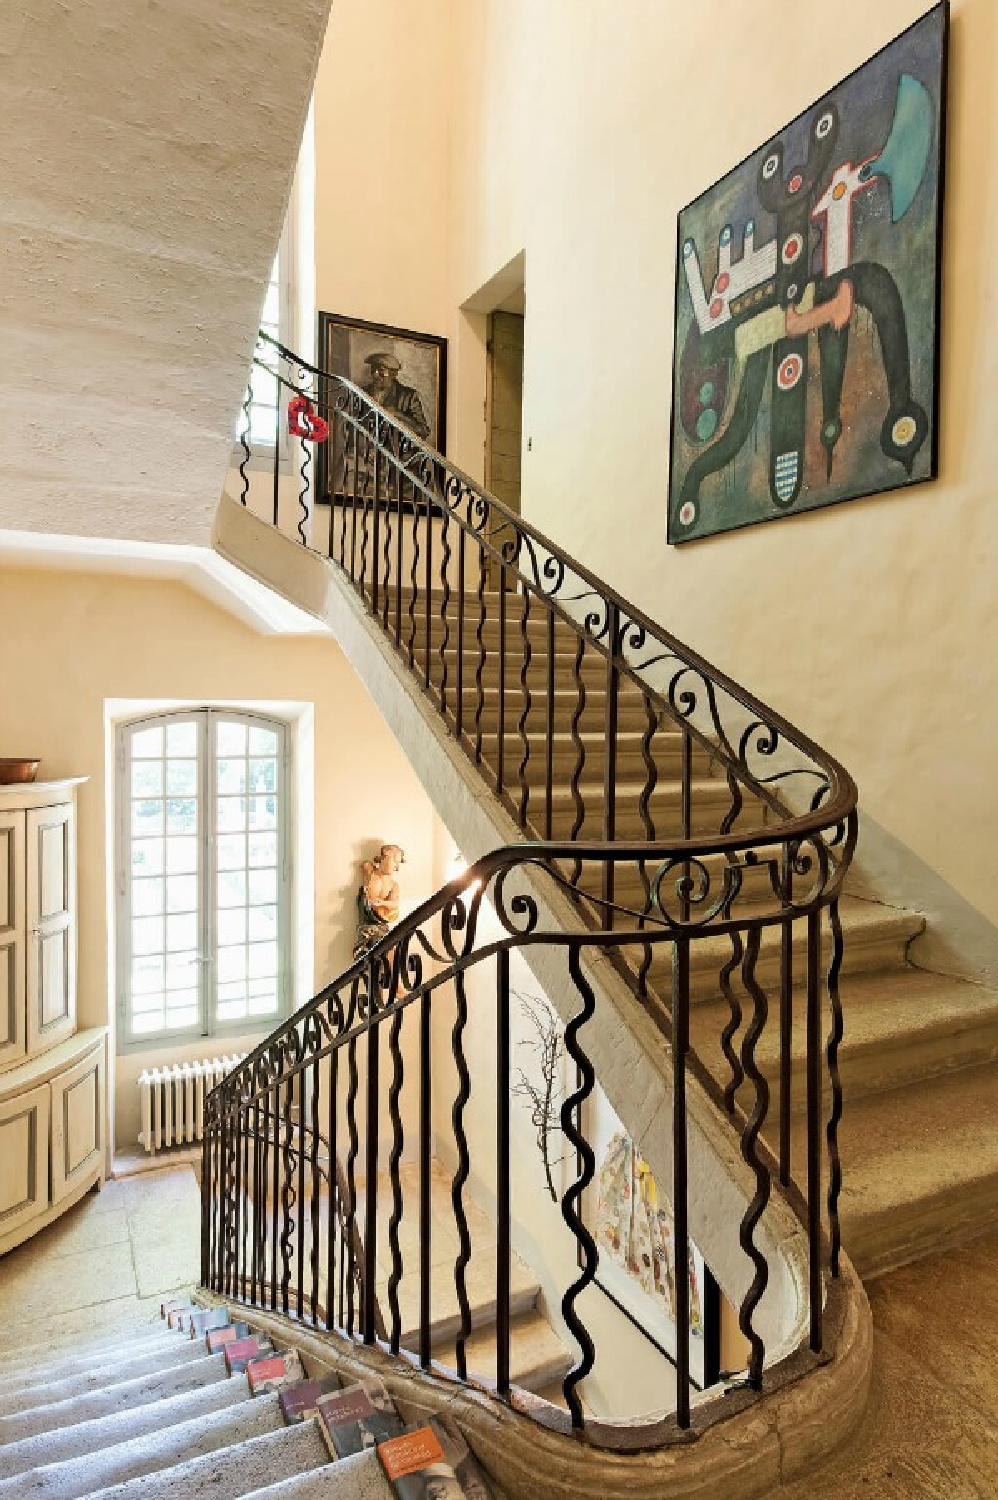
204	874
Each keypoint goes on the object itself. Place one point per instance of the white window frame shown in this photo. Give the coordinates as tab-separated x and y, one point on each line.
262	452
207	1025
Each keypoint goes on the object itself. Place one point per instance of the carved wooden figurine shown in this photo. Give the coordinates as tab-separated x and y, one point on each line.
378	897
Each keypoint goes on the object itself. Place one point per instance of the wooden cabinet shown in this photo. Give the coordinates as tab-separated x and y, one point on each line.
52	1077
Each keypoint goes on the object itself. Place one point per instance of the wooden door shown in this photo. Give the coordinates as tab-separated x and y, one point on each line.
12	1031
50	905
77	1123
24	1158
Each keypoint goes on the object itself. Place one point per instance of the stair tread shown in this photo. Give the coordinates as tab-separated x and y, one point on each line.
100	1376
148	1453
70	1441
537	1356
359	1477
230	1473
86	1357
127	1394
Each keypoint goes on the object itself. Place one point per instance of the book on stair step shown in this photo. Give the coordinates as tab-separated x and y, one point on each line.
202	1322
273	1372
176	1315
217	1338
357	1417
417	1467
239	1353
298	1401
470	1474
174	1304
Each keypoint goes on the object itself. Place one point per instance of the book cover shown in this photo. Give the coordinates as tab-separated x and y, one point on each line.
470	1475
298	1401
417	1468
273	1372
176	1315
217	1338
239	1353
201	1322
357	1417
173	1304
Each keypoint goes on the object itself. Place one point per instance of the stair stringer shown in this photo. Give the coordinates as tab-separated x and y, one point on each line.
634	1059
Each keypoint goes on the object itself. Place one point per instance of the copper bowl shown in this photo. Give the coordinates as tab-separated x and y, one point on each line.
12	771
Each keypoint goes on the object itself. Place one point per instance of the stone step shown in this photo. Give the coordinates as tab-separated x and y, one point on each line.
231	1472
359	1477
73	1441
901	1026
75	1336
120	1397
85	1357
875	938
537	1357
666	751
141	1457
103	1373
920	1168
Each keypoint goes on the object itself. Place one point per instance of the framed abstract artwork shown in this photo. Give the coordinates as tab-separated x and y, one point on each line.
403	371
806	360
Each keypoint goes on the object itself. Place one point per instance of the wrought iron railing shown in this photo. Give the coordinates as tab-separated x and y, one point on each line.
696	837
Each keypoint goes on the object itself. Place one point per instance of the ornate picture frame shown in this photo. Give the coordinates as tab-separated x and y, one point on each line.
410	381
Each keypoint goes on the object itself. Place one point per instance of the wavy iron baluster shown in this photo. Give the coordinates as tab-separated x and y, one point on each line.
750	1135
731	1028
398	1141
644	800
462	1172
521	725
351	1175
480	641
288	1202
586	1157
445	554
832	1053
580	750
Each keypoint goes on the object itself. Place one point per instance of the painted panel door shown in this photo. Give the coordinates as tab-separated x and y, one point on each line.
77	1123
12	1031
51	903
24	1158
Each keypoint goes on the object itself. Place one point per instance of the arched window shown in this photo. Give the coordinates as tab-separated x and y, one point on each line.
204	874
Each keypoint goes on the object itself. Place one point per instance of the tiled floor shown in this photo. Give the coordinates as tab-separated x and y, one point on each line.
108	1260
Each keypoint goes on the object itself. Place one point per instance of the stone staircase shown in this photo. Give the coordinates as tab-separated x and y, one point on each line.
150	1414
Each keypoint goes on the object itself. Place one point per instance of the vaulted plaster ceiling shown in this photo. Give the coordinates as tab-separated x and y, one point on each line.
149	147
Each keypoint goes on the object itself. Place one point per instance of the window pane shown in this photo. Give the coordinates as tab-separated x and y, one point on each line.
231	888
263	812
182	893
232	926
182	778
181	815
147	857
147	778
231	738
146	743
147	976
147	898
231	850
182	1012
262	849
263	742
147	935
262	887
181	971
182	739
264	923
147	818
263	775
262	959
263	997
231	964
181	932
182	856
144	1023
231	777
231	814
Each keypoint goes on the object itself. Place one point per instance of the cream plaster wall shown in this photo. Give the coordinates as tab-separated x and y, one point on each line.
577	129
75	640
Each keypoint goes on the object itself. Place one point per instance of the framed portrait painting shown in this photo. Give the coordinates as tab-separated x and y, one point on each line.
806	338
403	371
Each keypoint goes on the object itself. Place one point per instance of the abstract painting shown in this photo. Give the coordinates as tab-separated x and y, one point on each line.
807	304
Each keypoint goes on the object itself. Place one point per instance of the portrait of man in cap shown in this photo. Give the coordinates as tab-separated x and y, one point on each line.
385	387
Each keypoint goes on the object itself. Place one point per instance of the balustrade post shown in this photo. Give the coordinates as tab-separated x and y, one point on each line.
680	1047
503	1237
610	756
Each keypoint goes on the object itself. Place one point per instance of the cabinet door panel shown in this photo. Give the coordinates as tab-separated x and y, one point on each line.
77	1123
50	903
12	1032
24	1158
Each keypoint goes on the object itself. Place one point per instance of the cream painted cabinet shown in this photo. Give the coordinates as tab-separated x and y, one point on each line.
53	1079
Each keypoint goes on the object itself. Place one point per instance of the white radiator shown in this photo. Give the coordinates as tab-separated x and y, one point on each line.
171	1100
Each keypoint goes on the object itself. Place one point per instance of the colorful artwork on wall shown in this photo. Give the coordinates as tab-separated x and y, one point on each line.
807	304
